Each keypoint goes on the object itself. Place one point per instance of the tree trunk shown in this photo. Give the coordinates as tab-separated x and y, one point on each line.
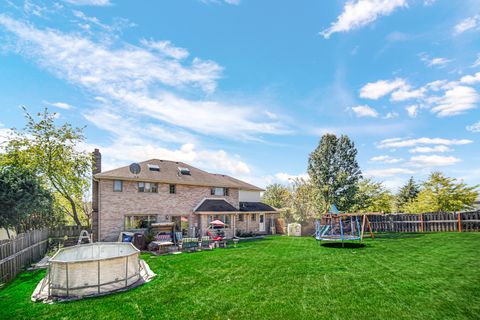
74	212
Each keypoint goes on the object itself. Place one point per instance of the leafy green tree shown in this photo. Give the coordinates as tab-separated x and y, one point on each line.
276	195
372	196
51	152
303	200
442	194
24	203
407	194
334	171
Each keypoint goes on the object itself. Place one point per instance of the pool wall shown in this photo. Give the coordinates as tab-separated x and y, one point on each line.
92	269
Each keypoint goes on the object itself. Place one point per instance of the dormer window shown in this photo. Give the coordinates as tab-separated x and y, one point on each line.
153	167
184	171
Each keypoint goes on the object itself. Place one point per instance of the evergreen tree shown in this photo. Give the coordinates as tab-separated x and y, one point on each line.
24	203
334	172
407	194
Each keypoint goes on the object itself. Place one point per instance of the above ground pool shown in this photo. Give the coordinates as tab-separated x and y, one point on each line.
92	269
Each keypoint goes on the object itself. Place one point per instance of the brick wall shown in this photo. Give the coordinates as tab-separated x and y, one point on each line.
114	206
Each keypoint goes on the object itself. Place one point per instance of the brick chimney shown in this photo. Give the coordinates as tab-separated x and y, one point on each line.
96	168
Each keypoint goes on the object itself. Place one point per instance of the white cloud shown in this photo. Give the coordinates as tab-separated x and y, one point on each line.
477	62
386	159
433	161
365	111
166	48
140	81
471	79
61	105
118	154
467	24
5	133
287	178
412	111
359	13
439	148
391	115
407	143
406	93
133	140
389	172
434	62
378	89
456	101
474	127
437	85
89	2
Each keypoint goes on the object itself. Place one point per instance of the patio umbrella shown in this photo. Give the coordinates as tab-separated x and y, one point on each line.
217	223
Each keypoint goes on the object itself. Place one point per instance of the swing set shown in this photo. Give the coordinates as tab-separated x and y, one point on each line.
336	226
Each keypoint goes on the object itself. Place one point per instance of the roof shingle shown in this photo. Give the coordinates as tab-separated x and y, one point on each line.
215	205
170	173
255	207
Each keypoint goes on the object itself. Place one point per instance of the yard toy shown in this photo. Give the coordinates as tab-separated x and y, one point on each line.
336	226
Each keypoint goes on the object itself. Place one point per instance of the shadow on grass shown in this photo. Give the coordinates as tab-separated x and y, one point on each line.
346	245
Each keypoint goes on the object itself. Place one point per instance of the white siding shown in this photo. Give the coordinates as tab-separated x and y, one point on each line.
248	196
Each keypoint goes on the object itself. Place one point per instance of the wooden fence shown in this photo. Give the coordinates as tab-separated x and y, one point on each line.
426	222
21	252
26	248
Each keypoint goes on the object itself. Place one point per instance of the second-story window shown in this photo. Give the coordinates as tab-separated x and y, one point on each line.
117	185
148	187
173	189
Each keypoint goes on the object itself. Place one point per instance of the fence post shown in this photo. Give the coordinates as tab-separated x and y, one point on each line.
459	221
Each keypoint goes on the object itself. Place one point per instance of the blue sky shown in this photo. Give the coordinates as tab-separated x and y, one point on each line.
248	87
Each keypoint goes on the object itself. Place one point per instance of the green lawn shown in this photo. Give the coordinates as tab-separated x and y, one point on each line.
397	276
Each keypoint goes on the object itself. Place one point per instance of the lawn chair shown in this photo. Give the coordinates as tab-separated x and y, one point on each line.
206	243
190	244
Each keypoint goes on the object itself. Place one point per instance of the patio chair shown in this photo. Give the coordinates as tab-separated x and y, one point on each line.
206	243
178	238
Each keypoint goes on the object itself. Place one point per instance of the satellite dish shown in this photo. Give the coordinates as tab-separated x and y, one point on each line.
135	168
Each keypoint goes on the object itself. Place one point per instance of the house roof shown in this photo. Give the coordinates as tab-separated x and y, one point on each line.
170	172
215	205
255	207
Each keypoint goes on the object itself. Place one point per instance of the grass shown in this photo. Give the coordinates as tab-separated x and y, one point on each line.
397	276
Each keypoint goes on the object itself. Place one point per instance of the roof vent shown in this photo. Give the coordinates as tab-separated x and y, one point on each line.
184	171
153	167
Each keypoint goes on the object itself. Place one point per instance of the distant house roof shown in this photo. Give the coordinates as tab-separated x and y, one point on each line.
255	207
215	205
174	172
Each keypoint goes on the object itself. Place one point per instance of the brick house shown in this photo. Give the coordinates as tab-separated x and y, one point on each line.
132	197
